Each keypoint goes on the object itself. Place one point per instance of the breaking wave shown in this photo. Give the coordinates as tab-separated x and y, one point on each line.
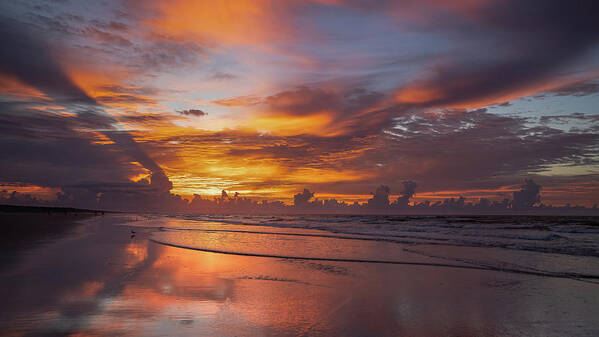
565	247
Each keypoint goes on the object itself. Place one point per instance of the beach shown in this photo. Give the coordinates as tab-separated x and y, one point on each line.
140	275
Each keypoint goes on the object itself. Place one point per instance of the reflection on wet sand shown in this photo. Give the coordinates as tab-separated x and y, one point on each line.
99	281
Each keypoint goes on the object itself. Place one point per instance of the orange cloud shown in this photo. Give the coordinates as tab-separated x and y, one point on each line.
240	101
10	85
430	93
418	95
227	22
205	162
285	125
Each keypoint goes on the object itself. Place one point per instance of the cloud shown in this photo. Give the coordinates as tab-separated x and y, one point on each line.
239	22
573	116
240	101
222	76
304	100
577	89
409	189
459	148
528	195
124	98
31	61
56	151
441	149
65	144
106	37
301	199
311	109
144	119
532	43
328	111
192	112
380	198
111	25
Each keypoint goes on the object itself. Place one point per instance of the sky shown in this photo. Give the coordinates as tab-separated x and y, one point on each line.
116	99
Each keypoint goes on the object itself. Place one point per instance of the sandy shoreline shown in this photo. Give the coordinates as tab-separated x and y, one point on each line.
100	278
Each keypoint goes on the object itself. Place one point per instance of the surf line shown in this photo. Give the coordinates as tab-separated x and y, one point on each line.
577	277
391	238
344	236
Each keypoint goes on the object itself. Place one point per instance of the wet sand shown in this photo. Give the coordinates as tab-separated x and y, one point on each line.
98	277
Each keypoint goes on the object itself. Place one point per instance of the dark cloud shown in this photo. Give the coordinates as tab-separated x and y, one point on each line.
380	198
409	189
310	100
55	25
31	61
353	110
529	194
107	37
578	89
125	98
459	148
112	25
131	90
163	53
55	151
143	118
573	116
131	147
301	199
532	42
304	100
192	112
60	150
89	174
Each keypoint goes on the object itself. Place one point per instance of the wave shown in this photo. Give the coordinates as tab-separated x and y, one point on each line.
376	236
527	271
276	279
577	239
571	249
578	229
